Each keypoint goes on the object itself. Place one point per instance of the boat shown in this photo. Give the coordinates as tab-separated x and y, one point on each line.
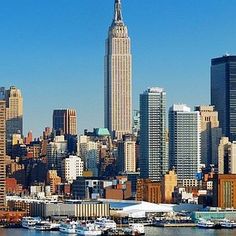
137	229
43	226
105	224
202	223
29	222
225	223
88	229
68	227
47	226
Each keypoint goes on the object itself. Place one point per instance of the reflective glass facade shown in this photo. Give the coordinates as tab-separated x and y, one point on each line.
223	93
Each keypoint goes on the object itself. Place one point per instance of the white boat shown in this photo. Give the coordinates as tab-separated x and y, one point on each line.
225	223
202	223
47	226
88	229
43	226
68	227
105	224
137	229
29	222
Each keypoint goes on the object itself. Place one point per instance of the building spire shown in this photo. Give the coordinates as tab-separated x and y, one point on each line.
118	14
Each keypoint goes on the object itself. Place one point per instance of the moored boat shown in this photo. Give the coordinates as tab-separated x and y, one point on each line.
68	227
43	226
225	223
105	224
88	229
29	222
47	226
202	223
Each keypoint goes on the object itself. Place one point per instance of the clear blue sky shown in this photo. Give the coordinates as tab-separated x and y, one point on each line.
53	50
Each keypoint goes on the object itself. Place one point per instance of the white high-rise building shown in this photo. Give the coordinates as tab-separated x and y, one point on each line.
184	141
118	77
72	167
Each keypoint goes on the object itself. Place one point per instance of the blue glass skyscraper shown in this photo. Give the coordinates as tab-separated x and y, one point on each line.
223	93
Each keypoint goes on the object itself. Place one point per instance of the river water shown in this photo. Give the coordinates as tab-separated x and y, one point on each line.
150	231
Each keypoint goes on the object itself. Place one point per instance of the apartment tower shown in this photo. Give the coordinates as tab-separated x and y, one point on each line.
184	142
153	134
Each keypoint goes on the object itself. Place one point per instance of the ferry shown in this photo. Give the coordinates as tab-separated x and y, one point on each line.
68	227
202	223
29	222
105	224
225	223
88	229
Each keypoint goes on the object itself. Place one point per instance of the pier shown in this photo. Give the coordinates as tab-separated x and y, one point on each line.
175	225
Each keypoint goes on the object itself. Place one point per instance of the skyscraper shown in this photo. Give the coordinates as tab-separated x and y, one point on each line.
65	121
185	141
223	93
2	153
118	77
210	134
14	113
152	133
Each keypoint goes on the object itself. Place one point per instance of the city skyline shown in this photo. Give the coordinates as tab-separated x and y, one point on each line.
37	62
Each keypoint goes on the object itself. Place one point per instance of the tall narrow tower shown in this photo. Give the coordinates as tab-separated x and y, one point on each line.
118	77
152	162
2	153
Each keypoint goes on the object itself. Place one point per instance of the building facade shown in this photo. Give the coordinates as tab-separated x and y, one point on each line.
88	151
56	151
168	185
223	92
14	113
185	141
153	134
210	134
72	167
118	77
127	154
149	191
227	156
224	188
2	153
65	121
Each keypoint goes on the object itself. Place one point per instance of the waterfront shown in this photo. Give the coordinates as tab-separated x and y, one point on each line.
150	231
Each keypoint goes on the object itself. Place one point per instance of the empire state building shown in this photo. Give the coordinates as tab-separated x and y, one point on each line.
118	77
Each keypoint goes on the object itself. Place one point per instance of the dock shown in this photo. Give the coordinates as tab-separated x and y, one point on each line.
175	225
